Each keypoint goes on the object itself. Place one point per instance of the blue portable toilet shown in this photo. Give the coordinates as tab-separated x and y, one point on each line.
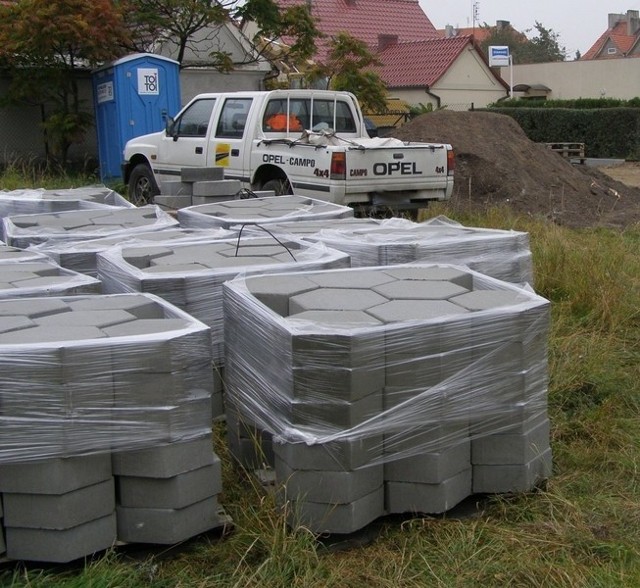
132	97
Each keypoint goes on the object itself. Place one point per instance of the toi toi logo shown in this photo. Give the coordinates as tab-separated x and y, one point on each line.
151	83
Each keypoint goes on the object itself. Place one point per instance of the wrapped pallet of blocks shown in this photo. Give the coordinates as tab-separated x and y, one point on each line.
388	389
191	276
105	427
502	254
32	229
80	256
260	211
39	201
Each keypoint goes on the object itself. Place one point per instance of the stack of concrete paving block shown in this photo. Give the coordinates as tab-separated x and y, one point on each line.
80	256
202	185
82	377
43	278
260	211
389	389
10	254
168	494
31	229
58	510
501	254
191	275
39	201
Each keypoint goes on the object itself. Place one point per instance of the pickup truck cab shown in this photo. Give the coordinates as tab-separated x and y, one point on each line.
307	142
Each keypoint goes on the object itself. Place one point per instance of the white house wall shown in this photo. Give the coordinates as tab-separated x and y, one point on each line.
467	81
607	78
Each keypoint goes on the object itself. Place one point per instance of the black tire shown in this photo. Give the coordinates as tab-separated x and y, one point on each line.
280	186
142	185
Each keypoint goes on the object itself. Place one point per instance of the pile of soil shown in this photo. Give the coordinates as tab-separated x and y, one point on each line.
496	164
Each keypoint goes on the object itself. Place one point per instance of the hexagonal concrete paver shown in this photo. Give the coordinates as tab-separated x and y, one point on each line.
419	290
487	299
335	299
350	279
409	310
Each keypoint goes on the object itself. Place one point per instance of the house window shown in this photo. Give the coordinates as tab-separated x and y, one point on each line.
612	51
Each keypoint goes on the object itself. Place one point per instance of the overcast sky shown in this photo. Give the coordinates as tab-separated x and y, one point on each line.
578	23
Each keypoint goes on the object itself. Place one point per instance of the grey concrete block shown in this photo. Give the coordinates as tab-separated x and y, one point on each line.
411	497
419	290
139	305
33	307
60	511
55	476
175	492
486	299
167	526
403	440
336	414
275	291
335	299
336	518
344	455
311	383
61	546
430	468
406	310
216	188
504	449
201	174
335	487
251	454
420	372
173	202
164	461
175	188
512	478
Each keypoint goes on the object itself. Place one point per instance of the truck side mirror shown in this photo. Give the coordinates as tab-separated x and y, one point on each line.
170	128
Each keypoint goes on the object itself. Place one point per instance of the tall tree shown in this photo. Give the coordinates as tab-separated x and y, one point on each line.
348	67
43	44
543	47
194	25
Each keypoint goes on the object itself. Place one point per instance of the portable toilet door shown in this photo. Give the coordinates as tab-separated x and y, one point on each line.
133	96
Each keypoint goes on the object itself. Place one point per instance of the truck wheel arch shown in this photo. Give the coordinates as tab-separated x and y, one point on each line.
269	175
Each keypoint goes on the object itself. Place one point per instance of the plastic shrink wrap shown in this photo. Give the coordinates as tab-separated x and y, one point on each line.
31	229
387	389
501	254
261	211
42	277
10	254
80	256
190	276
105	425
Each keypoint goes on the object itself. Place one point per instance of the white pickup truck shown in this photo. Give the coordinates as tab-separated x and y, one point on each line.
307	142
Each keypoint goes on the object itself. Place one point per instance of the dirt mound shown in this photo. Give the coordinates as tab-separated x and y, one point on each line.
497	164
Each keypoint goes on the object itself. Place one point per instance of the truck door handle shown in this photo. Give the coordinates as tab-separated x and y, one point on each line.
235	152
199	150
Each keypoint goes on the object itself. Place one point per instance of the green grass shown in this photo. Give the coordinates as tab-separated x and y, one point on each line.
582	529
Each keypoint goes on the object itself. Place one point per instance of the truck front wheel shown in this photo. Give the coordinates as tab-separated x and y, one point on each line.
142	185
280	186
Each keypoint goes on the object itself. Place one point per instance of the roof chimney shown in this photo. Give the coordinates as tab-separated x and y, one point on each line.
448	31
614	19
385	41
502	24
633	22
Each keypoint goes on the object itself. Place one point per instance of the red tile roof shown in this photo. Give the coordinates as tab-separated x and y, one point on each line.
478	33
619	37
421	63
366	19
